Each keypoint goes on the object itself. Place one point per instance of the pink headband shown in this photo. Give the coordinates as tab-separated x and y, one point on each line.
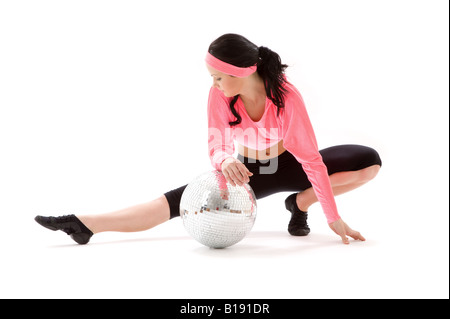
227	68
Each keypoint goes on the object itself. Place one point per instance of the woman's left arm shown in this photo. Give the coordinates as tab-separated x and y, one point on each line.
299	139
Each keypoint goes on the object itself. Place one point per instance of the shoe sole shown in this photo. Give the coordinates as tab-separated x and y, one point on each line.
300	234
43	224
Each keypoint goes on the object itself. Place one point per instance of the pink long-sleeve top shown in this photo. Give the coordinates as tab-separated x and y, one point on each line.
292	126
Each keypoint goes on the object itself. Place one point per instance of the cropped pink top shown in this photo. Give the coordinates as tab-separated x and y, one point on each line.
292	126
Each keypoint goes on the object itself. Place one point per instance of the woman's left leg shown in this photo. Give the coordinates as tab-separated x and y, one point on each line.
349	167
341	182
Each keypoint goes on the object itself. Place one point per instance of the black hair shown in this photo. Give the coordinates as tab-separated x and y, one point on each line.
238	51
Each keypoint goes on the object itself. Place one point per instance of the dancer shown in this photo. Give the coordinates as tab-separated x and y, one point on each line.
252	104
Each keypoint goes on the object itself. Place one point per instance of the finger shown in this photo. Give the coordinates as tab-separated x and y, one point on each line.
245	174
357	236
242	173
345	240
237	176
243	169
341	232
234	177
228	177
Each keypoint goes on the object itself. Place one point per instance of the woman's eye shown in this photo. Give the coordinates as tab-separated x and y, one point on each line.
219	79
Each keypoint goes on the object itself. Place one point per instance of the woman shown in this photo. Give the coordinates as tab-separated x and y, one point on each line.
252	103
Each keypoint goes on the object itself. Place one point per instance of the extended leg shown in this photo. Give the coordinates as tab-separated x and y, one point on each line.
136	218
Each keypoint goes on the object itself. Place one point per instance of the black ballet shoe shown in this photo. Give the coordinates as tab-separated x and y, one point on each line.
69	224
298	225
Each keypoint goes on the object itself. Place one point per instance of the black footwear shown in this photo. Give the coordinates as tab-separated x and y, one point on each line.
69	224
298	225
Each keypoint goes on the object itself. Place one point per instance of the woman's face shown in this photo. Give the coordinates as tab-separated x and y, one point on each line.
229	85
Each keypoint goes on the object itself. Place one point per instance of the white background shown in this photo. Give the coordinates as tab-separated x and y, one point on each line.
103	106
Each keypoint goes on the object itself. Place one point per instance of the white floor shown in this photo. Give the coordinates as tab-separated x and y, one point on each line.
401	259
103	106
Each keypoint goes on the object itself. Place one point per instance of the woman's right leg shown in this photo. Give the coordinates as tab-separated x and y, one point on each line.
136	218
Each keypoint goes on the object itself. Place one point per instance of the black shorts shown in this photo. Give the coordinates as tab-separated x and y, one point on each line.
288	175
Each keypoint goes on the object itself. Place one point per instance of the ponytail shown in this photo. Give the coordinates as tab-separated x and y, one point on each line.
272	70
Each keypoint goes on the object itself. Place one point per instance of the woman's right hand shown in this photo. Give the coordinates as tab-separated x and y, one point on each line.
235	172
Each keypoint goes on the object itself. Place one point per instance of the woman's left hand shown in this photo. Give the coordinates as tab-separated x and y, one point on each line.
343	230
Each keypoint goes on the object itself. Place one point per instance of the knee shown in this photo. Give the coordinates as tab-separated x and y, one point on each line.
372	157
372	170
369	173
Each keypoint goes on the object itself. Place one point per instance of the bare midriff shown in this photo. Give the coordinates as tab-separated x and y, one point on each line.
261	155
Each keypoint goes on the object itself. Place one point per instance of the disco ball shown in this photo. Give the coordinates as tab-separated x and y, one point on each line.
215	213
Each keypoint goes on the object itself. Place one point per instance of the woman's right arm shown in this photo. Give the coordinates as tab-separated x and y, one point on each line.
221	142
220	136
